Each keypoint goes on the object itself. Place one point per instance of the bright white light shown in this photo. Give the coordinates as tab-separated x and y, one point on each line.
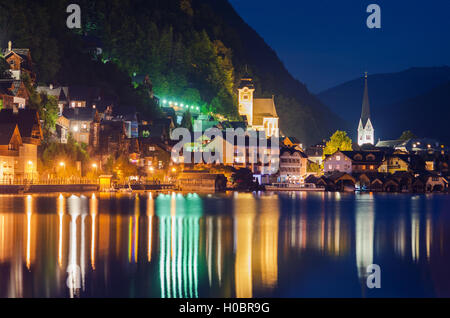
75	128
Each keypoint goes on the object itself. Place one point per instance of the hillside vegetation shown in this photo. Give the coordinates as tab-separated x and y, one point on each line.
194	51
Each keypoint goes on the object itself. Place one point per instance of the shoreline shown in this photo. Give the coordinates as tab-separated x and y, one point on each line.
52	189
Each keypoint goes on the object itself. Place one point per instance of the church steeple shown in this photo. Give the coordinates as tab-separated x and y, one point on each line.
365	113
366	133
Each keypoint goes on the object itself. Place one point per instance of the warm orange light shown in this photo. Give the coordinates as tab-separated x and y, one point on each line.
94	165
62	164
174	170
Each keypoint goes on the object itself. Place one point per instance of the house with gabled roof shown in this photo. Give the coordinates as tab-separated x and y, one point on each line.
28	123
10	143
19	61
353	161
13	94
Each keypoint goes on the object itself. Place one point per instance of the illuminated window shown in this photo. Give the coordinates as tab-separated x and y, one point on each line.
338	158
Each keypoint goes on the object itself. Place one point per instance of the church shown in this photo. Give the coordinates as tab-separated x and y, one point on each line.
260	113
366	132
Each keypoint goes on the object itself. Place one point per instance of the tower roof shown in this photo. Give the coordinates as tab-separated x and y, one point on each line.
365	113
246	81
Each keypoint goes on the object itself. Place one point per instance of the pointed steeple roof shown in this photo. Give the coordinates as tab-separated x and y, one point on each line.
365	113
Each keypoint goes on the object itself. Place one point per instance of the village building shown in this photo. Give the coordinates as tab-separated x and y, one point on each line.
395	162
292	142
112	138
28	123
293	165
20	62
80	120
315	153
258	156
13	94
201	181
62	129
59	93
10	143
260	113
435	183
353	161
366	131
157	129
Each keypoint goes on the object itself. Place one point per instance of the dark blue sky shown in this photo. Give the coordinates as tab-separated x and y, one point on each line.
327	42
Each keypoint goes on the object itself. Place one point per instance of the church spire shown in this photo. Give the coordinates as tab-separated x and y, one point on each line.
365	113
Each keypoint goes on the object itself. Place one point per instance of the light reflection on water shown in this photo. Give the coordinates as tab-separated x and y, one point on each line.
228	245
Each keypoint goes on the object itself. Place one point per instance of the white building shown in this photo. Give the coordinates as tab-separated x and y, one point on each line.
260	113
366	132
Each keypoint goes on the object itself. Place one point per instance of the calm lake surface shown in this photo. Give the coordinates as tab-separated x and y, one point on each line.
227	245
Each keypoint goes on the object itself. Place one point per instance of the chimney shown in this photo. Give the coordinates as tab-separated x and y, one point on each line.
9	46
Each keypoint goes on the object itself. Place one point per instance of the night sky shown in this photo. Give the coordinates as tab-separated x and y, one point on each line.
326	42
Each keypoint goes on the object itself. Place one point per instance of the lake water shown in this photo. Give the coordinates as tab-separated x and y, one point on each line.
226	245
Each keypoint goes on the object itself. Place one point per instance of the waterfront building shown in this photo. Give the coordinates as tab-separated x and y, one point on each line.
353	161
28	123
395	162
293	165
201	181
10	142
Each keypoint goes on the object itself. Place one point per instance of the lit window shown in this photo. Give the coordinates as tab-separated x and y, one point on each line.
73	104
338	158
330	167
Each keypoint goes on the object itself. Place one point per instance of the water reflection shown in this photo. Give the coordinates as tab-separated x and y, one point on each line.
179	232
231	245
364	229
